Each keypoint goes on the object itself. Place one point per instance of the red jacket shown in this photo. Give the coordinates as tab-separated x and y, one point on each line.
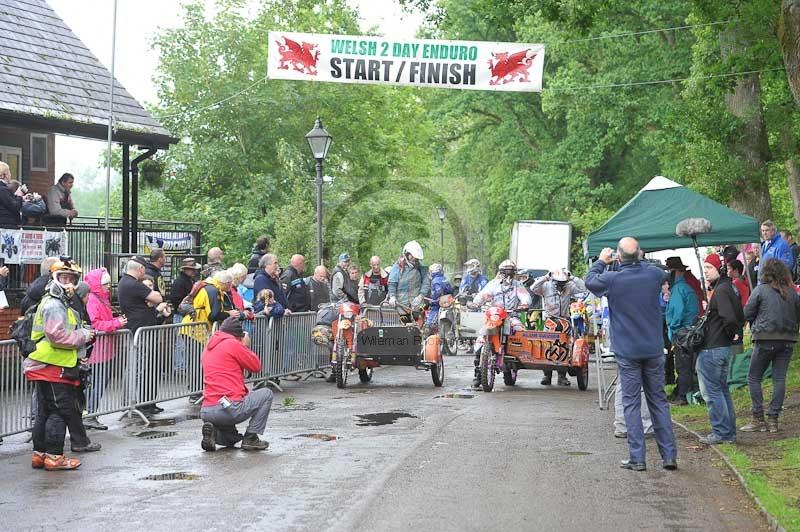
224	361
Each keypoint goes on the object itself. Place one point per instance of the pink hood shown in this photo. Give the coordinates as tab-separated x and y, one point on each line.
95	281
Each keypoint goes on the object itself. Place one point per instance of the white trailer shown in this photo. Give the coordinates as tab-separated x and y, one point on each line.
541	245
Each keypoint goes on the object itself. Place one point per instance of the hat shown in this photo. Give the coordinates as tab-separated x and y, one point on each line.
715	261
138	260
233	327
190	263
675	263
344	256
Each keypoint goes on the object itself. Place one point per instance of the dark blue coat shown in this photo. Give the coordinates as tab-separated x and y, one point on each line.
261	281
634	294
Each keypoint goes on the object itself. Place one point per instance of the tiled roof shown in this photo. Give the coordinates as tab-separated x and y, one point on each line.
47	72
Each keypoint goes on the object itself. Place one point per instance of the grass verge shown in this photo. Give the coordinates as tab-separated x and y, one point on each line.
769	463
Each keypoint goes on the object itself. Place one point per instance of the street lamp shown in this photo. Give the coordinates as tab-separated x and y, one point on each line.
442	212
319	141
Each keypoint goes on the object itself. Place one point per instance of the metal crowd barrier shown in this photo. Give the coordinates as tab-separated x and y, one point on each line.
106	393
161	363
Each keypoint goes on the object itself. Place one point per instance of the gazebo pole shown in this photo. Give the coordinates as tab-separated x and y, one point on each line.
110	112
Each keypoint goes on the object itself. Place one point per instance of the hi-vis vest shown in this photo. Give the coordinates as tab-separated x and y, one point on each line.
66	357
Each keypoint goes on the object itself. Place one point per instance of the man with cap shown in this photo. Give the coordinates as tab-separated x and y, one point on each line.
682	309
724	320
674	263
134	297
226	399
342	287
180	288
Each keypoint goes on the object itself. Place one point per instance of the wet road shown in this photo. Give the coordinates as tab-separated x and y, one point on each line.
523	458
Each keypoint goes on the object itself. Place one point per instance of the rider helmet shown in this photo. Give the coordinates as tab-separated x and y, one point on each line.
507	270
413	249
472	266
561	278
65	266
435	268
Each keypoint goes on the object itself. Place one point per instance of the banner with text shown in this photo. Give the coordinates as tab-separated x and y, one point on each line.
476	65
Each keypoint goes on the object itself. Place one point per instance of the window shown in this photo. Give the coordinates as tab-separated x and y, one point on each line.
13	158
38	152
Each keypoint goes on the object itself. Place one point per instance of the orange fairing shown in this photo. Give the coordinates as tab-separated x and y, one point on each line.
432	352
495	339
580	352
495	316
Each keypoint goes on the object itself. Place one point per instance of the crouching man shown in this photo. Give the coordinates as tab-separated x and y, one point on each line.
227	401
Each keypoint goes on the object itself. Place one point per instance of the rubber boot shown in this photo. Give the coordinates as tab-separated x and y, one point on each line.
772	424
756	425
547	380
563	380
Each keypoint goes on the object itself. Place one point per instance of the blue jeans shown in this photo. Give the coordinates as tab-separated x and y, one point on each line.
179	355
712	374
647	374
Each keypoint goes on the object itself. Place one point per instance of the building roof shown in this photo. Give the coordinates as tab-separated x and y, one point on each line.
49	80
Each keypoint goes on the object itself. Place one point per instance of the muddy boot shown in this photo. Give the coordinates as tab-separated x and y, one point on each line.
331	377
756	425
563	380
209	442
251	442
547	380
772	424
59	462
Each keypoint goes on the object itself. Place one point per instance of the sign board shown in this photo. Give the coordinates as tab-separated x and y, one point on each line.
541	245
23	246
475	65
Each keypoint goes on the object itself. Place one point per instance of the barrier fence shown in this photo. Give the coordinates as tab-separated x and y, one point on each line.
160	363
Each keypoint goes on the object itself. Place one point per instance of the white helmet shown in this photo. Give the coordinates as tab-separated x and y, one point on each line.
472	265
507	267
435	268
560	275
414	249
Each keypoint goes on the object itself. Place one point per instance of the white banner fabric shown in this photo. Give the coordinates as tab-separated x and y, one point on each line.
475	65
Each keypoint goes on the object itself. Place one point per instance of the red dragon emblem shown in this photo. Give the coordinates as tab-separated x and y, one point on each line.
507	68
301	57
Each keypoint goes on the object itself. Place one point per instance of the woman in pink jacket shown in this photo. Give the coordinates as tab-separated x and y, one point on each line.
103	320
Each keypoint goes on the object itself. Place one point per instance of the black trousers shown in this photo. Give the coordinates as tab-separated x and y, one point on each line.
56	408
684	363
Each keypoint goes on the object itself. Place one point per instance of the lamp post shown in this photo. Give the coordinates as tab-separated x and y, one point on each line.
319	141
442	212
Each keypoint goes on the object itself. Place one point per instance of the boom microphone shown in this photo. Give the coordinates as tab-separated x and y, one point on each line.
692	227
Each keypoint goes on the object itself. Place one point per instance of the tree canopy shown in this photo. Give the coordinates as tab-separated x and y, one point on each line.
693	90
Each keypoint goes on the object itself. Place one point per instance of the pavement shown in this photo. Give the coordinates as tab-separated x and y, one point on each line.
406	456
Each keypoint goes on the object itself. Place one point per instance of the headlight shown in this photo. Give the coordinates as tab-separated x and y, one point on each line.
346	324
348	315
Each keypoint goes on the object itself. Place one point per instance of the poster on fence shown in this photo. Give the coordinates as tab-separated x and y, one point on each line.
475	65
33	246
175	243
10	245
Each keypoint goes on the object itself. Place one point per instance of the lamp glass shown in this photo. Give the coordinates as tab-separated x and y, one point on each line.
319	141
442	212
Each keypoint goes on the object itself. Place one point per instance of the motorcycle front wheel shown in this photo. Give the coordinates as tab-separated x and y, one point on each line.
487	367
448	338
340	369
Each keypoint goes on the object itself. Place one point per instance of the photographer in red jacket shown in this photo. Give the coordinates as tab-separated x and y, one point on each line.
227	401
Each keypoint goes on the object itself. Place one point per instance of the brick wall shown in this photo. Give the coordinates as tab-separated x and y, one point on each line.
37	181
7	317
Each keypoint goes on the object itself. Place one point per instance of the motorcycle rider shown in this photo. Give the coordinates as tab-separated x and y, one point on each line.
439	288
557	289
502	291
474	281
409	283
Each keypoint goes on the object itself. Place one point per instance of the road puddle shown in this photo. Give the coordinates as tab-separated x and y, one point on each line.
381	418
578	453
455	396
154	434
180	475
321	437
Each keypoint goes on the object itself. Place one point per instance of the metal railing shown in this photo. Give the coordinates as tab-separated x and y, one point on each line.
161	363
386	316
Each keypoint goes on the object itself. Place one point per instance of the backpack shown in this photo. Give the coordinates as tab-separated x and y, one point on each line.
21	330
187	303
